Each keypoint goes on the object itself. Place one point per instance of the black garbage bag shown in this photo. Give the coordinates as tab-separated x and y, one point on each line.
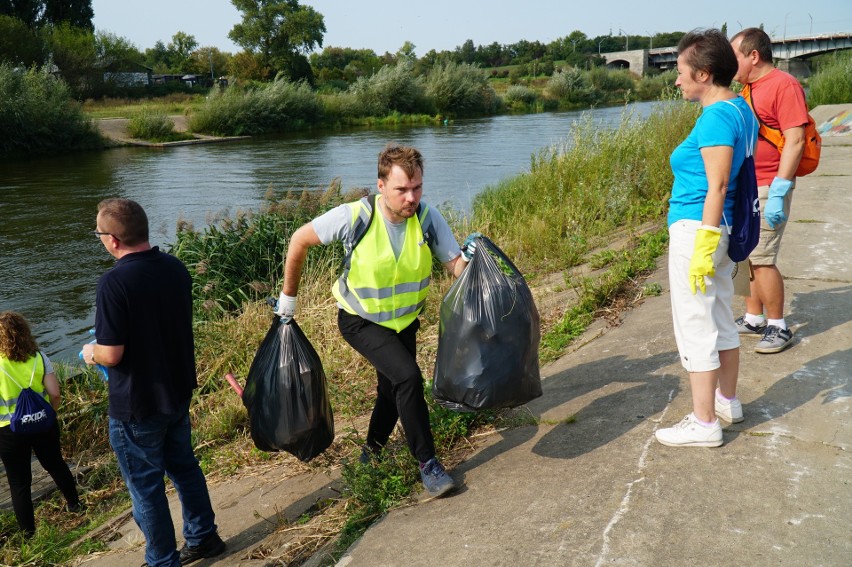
488	337
286	395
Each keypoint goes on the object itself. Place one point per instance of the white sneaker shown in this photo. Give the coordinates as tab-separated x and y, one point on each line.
729	410
690	433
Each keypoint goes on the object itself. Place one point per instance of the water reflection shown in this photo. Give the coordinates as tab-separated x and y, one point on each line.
50	261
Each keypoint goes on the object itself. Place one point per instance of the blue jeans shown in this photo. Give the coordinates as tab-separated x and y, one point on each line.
146	450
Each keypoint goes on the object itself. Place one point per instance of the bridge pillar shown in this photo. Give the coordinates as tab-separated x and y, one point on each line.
636	59
799	68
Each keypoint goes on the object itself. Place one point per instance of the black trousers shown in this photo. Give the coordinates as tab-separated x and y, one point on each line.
16	452
400	382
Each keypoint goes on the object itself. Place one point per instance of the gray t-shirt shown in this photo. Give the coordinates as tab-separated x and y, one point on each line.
336	224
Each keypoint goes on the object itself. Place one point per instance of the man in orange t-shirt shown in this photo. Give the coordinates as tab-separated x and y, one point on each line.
779	102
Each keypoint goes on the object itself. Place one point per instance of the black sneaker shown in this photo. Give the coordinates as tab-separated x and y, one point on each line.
78	508
210	547
435	479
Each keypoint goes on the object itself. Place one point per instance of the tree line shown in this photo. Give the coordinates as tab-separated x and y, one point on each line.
279	38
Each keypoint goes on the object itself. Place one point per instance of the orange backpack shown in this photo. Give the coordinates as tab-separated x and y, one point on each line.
813	141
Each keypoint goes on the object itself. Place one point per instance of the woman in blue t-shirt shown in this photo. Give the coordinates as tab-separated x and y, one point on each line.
705	168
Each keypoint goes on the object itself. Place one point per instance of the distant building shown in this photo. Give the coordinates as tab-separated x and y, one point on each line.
127	74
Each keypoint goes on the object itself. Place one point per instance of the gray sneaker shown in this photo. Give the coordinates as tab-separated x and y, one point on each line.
435	479
744	328
774	340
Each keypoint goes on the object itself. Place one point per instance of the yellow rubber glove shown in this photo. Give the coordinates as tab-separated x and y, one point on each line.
701	265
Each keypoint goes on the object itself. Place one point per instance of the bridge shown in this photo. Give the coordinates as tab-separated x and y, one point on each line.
790	54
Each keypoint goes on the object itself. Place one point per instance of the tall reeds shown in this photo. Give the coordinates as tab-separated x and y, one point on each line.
576	193
833	83
278	106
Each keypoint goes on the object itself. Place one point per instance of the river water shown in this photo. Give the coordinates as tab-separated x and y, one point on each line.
50	261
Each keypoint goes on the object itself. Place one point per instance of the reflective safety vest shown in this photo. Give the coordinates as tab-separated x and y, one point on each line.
375	284
28	373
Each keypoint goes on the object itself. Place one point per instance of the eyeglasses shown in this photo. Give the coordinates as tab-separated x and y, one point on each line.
99	234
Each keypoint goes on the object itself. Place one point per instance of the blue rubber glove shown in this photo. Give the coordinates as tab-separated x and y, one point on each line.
100	367
468	249
773	212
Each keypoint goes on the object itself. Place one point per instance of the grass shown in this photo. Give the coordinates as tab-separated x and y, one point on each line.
177	103
832	84
154	126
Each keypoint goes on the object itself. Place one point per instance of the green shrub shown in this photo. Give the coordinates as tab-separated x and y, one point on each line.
655	87
38	116
832	84
392	88
278	106
461	89
153	125
520	96
570	86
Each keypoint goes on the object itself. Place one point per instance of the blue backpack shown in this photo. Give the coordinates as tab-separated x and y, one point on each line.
33	413
745	224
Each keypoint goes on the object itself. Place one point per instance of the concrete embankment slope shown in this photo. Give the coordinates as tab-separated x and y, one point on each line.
599	490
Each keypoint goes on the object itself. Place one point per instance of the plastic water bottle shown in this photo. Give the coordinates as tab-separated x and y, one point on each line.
100	367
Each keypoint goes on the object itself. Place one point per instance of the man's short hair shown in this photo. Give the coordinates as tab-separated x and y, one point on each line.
709	51
125	219
755	39
409	159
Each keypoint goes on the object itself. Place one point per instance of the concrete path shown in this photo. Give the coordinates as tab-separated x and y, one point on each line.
591	486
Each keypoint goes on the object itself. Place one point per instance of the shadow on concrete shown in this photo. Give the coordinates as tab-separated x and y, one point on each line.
638	391
829	376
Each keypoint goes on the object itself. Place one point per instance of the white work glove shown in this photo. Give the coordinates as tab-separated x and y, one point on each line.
285	307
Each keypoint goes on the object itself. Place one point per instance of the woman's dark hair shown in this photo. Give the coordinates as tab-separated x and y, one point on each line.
711	52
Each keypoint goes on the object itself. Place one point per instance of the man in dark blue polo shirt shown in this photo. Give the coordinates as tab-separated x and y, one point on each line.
144	336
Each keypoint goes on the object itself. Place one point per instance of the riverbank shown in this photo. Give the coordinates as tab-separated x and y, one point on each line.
114	130
614	489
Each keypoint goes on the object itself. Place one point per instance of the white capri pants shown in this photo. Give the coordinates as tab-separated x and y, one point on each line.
703	322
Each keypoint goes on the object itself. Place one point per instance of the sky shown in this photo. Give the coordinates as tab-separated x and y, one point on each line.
384	26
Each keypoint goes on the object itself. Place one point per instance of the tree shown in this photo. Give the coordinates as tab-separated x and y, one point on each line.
78	13
27	11
19	45
114	51
75	54
406	52
157	57
180	50
281	33
466	53
37	13
208	61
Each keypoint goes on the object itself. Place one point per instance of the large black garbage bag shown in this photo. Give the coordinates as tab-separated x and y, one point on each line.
286	395
488	338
